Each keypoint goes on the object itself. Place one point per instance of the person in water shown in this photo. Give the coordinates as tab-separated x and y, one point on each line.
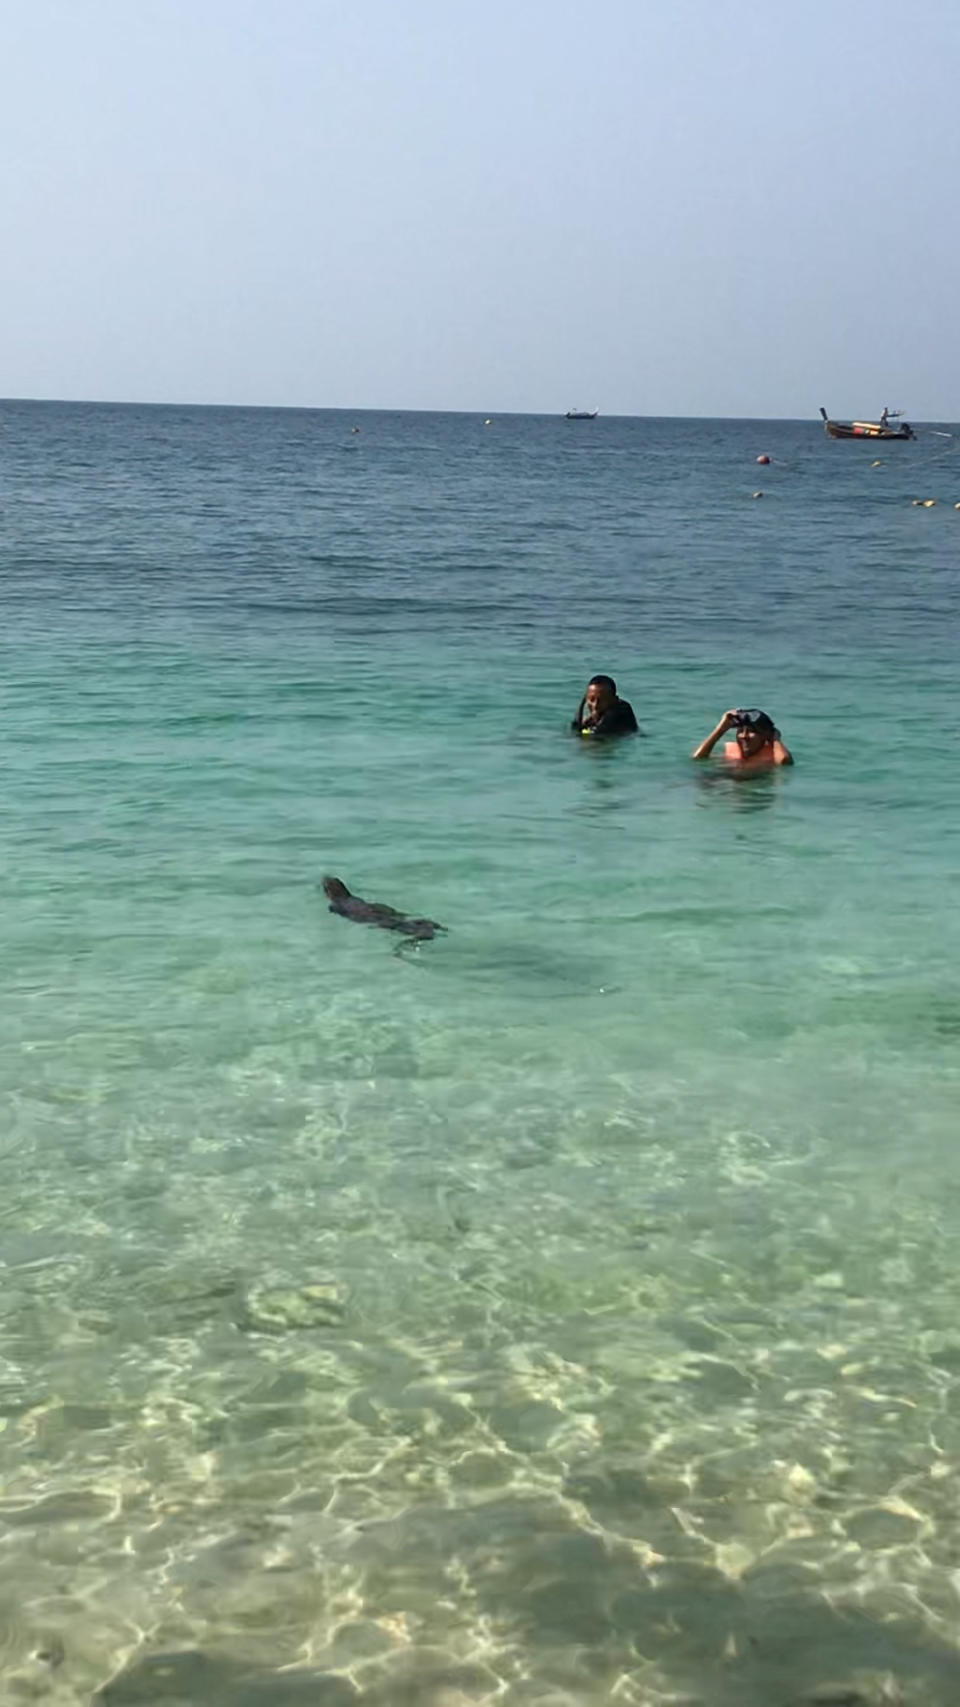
601	713
756	744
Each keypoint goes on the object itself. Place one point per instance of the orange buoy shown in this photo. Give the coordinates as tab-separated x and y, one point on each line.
764	459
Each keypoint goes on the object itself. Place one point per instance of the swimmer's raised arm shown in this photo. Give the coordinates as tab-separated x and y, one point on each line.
727	721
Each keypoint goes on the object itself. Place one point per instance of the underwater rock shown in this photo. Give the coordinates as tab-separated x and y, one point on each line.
719	1382
283	1309
191	1676
891	1524
866	1693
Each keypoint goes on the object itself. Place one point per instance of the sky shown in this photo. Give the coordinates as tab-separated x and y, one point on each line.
651	207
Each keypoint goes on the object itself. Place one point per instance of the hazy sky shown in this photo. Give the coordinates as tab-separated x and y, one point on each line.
703	207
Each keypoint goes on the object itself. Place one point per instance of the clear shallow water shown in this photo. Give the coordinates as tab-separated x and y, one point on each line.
565	1311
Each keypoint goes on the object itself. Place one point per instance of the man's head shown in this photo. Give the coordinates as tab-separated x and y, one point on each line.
754	731
600	695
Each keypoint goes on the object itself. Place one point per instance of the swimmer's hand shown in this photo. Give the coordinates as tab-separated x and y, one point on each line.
727	721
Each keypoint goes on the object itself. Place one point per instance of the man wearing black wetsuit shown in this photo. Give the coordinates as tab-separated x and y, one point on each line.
601	713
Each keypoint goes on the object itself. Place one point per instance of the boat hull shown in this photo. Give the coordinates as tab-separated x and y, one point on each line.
581	414
864	430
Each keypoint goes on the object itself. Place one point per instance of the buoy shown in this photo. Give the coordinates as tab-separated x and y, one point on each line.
876	464
757	494
354	429
956	506
764	459
923	503
488	422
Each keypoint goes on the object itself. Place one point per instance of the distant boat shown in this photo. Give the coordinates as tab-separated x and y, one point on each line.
868	429
581	414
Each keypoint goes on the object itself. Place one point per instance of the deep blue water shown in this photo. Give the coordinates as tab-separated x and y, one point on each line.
564	1311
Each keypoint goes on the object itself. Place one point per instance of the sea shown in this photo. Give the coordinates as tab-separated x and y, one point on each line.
561	1311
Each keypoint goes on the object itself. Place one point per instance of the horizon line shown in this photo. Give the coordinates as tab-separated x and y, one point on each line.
367	409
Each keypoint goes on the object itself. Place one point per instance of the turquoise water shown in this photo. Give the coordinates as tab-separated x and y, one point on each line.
564	1311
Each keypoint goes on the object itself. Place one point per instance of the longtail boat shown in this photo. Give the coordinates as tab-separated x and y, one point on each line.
868	429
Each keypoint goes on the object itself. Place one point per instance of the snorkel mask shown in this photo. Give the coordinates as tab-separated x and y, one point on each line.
758	722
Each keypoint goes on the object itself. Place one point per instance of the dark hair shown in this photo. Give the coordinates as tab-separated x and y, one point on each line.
603	682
